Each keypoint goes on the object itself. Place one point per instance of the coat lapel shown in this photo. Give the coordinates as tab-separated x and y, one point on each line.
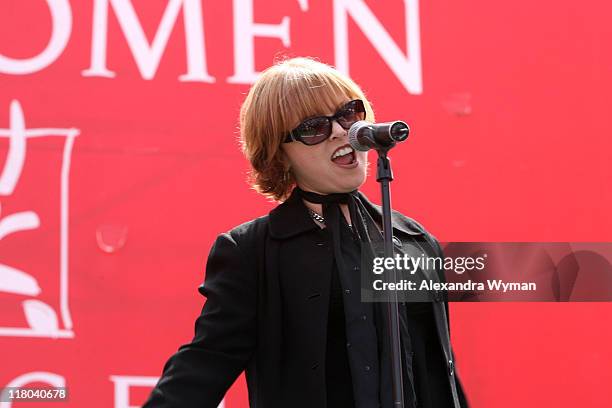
290	218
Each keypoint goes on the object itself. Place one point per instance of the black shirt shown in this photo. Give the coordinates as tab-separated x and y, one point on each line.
428	366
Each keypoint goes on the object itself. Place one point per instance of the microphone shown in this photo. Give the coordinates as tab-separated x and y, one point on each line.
364	136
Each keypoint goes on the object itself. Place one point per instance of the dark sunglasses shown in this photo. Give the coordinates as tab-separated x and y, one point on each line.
315	130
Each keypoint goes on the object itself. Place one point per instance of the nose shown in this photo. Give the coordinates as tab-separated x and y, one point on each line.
338	131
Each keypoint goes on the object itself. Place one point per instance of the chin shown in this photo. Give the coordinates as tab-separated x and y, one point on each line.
341	183
352	186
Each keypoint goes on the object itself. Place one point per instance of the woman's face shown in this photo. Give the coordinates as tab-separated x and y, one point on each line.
331	166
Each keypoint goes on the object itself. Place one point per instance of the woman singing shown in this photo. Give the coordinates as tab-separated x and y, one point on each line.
283	290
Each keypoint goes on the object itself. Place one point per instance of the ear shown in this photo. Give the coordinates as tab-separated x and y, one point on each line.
284	158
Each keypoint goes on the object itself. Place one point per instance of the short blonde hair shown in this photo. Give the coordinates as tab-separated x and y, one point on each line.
284	95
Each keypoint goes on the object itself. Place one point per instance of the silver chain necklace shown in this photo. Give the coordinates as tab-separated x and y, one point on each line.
318	217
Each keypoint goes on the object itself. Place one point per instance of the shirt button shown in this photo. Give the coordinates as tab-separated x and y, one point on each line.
364	317
347	291
348	344
367	368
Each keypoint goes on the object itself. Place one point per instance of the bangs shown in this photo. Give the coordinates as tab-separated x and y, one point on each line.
296	89
308	94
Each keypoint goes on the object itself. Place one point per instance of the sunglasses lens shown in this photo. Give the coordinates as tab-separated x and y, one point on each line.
353	112
313	131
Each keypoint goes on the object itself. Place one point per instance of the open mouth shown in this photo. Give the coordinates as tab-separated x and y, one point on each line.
344	156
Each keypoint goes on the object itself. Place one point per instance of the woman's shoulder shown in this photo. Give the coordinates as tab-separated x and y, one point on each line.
248	232
399	220
239	244
408	223
415	227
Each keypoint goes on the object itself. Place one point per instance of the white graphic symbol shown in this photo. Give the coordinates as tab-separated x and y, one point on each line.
42	319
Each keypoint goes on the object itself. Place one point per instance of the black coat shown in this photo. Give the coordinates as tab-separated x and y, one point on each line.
267	286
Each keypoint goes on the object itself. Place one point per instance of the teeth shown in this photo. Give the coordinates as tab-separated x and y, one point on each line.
342	152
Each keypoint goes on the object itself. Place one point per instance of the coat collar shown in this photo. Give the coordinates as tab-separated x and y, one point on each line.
291	218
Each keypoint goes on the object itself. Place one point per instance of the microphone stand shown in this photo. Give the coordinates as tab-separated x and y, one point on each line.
384	176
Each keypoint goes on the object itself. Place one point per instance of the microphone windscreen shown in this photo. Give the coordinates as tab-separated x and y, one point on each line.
353	136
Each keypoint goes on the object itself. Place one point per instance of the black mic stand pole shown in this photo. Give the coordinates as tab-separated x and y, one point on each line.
384	176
